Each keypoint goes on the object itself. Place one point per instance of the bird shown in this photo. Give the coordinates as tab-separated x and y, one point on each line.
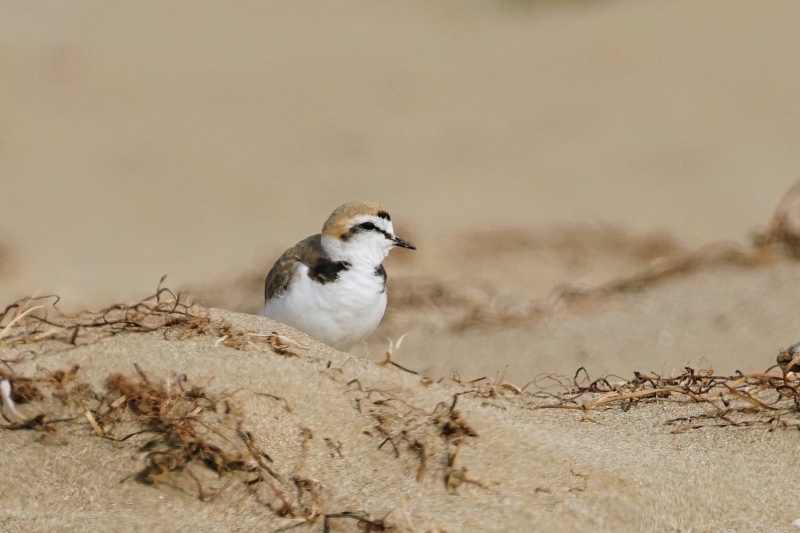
332	285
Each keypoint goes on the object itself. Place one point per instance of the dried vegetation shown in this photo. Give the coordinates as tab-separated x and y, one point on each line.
433	438
769	399
36	322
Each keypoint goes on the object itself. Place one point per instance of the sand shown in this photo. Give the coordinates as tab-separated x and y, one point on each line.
526	148
531	469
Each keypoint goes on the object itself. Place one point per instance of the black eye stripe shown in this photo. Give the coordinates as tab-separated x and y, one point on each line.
366	226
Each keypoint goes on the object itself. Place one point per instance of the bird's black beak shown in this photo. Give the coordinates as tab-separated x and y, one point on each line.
402	244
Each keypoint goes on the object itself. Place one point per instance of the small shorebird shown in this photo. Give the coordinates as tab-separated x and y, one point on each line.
332	285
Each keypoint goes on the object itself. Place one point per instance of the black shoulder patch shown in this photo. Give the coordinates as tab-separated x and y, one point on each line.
325	270
384	215
381	272
308	252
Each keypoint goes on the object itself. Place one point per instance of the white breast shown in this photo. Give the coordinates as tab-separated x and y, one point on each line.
339	313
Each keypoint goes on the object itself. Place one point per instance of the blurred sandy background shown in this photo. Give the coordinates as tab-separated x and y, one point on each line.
199	140
525	146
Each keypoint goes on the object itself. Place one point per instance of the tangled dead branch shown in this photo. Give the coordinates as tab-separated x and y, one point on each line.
164	311
769	399
192	439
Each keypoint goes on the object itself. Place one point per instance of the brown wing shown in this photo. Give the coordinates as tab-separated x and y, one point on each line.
309	251
285	268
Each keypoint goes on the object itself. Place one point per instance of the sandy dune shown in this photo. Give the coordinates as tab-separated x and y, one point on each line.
323	418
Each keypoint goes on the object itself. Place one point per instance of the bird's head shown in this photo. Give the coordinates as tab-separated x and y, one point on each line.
360	232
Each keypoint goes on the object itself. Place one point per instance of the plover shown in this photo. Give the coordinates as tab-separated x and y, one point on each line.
332	285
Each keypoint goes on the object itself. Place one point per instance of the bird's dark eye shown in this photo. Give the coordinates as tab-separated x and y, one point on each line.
367	226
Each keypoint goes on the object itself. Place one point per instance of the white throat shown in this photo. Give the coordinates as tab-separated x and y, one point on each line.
359	253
